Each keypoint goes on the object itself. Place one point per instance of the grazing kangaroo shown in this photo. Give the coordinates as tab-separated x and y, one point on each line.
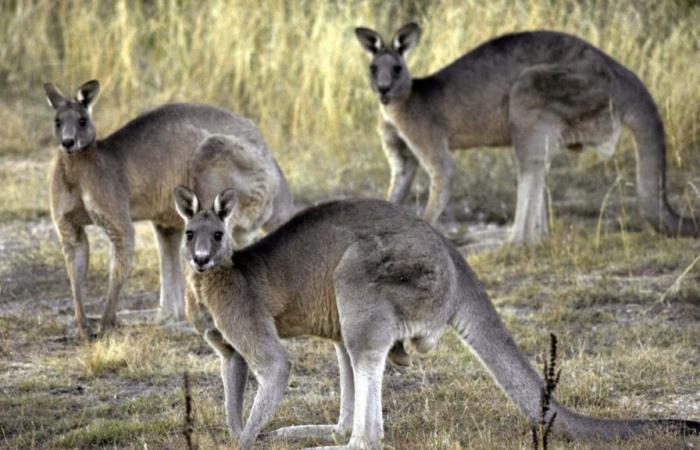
364	274
537	91
130	175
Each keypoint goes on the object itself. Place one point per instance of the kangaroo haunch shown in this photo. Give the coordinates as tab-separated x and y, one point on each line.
364	274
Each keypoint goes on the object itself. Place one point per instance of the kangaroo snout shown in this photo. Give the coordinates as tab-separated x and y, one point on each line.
383	92
68	144
201	261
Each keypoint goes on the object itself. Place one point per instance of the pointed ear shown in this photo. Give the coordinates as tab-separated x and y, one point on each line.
186	202
370	40
406	38
224	203
54	96
87	93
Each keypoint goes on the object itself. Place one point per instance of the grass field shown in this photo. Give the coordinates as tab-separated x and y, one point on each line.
624	301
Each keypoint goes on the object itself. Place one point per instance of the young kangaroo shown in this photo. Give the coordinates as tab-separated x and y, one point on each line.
537	91
130	175
364	274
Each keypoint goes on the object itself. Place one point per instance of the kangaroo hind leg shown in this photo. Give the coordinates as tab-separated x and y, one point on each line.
172	283
368	324
532	154
551	105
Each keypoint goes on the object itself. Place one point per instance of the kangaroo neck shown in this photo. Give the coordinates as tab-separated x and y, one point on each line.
398	104
77	164
394	111
207	285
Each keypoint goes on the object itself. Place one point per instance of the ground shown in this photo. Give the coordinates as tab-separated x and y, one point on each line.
623	301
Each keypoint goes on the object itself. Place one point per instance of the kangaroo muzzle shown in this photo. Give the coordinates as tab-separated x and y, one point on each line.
69	141
201	256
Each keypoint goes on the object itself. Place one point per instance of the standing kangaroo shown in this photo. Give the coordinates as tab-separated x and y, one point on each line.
363	274
537	91
131	174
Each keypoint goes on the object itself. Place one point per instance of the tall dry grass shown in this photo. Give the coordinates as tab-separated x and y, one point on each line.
295	68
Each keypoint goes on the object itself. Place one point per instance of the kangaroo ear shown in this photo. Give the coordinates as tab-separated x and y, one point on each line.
370	40
54	96
186	202
406	38
224	203
87	93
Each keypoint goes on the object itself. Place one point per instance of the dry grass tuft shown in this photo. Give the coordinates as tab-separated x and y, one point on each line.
107	355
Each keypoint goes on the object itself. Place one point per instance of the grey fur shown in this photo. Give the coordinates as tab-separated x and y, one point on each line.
537	91
130	175
365	274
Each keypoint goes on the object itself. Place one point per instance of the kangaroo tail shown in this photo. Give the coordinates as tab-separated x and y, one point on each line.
478	323
640	114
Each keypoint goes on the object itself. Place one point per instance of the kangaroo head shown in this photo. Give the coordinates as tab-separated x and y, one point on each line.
388	73
73	126
207	243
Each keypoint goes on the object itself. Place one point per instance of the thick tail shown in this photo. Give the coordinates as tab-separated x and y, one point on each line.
640	114
478	323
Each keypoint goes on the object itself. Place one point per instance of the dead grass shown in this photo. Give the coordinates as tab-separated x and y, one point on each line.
296	69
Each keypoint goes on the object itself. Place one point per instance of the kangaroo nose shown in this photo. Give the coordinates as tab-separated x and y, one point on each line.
68	143
201	260
383	89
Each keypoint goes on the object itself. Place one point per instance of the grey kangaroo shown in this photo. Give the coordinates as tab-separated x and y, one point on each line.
364	274
537	91
130	175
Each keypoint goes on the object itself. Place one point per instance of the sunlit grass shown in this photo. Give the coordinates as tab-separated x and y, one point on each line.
296	69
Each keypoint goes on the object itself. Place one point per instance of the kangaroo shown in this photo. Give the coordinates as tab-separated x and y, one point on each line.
364	274
536	91
130	175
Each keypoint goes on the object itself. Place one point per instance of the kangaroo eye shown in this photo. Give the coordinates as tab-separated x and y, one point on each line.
57	122
218	235
189	235
373	69
82	121
396	69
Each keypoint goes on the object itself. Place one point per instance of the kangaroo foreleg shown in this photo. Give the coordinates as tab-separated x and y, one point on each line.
234	374
440	166
267	358
121	237
76	253
347	400
197	313
402	163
